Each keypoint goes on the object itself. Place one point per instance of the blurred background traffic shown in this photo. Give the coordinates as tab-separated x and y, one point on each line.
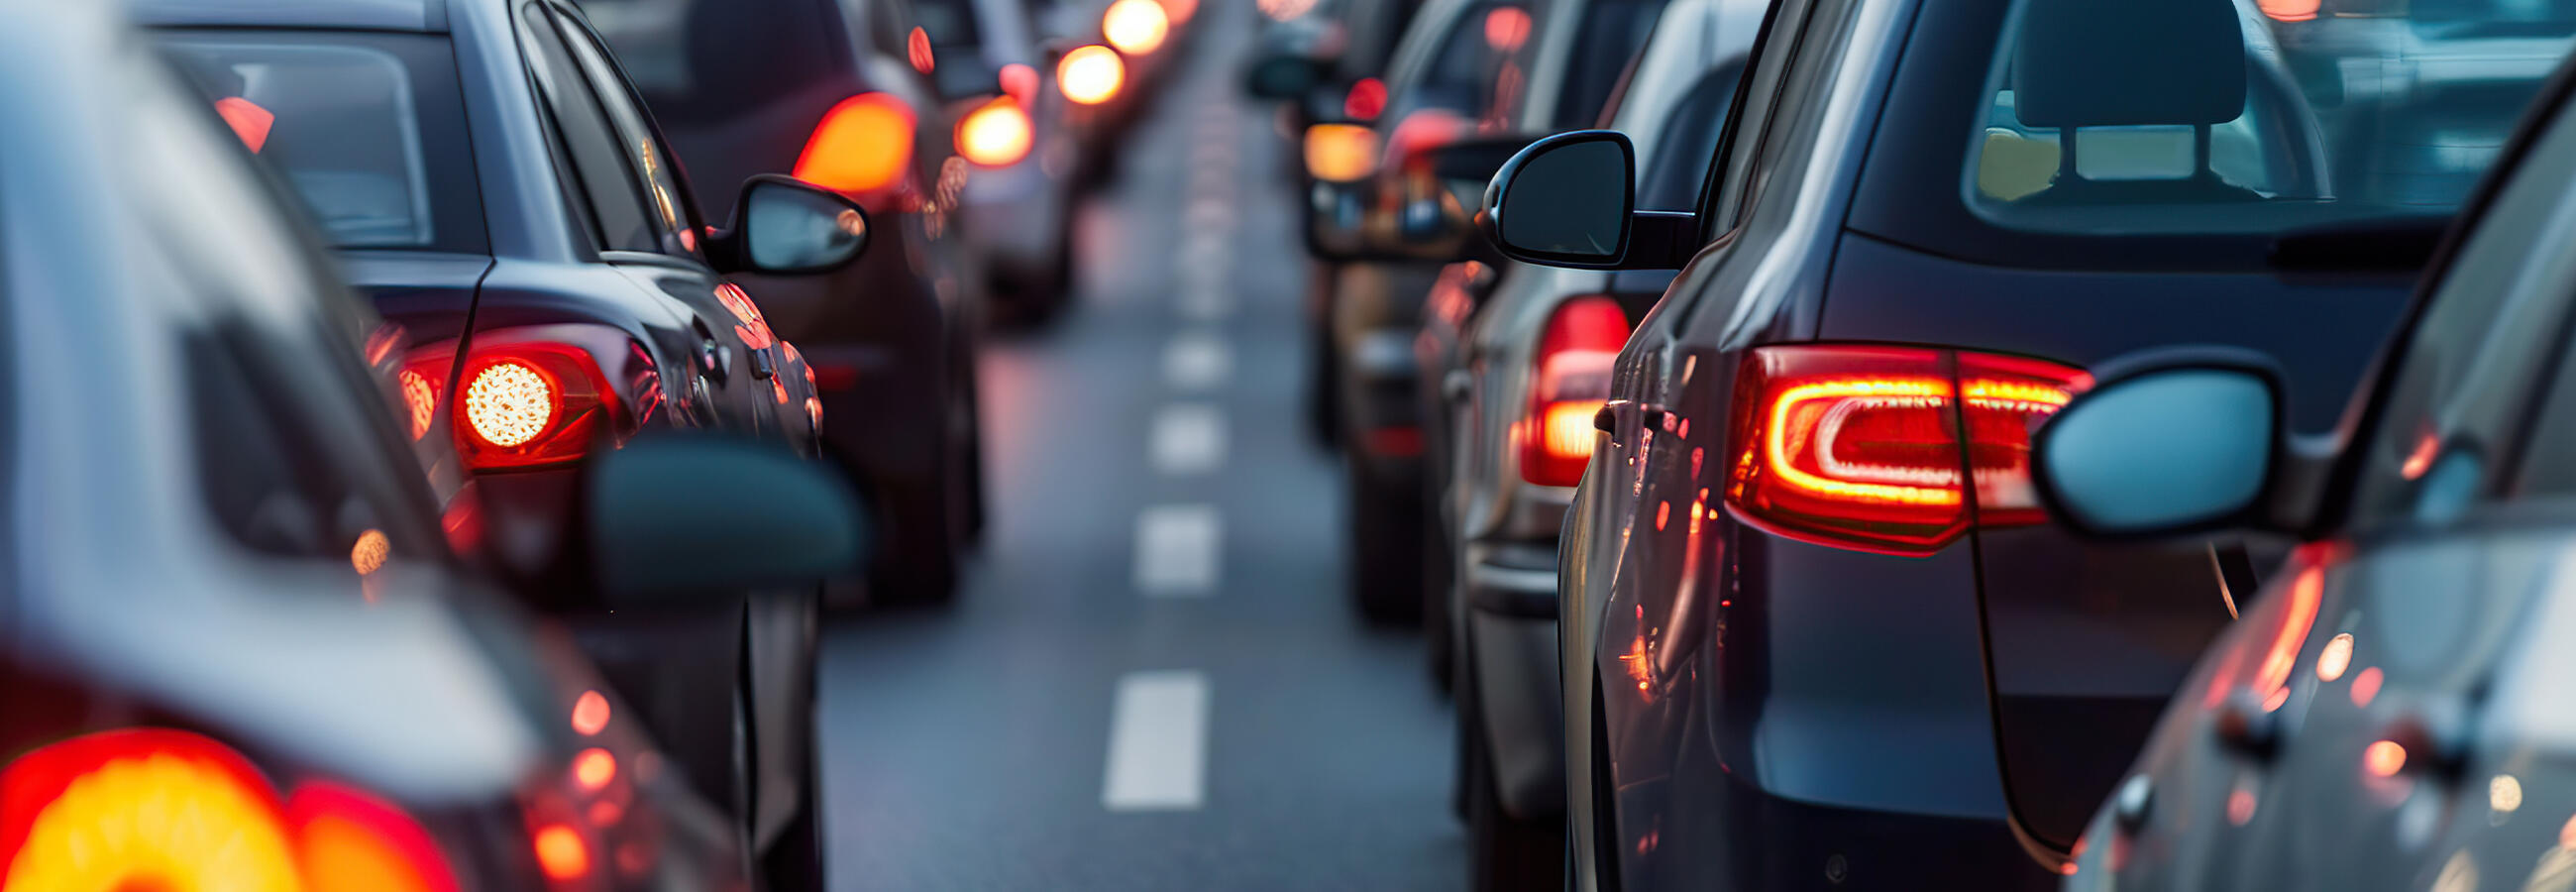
1290	444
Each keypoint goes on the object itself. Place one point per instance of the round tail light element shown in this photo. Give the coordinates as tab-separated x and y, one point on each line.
509	403
1135	27
995	134
1091	75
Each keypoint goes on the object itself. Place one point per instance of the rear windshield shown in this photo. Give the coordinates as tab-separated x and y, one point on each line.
367	128
2209	117
2194	134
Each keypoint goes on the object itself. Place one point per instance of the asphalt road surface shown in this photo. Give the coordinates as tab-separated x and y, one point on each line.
1153	678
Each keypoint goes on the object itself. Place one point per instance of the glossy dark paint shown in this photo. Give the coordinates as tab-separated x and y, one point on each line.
891	336
1931	698
686	670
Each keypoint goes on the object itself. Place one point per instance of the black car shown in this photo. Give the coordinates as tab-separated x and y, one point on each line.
238	651
497	190
1812	622
840	93
2391	712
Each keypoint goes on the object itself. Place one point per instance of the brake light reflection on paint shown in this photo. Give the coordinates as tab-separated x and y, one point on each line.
2383	758
590	713
561	852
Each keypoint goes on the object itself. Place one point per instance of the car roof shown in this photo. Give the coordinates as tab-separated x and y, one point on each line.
372	15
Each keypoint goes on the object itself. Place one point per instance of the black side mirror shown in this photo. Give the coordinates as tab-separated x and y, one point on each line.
1571	200
675	516
784	226
1284	77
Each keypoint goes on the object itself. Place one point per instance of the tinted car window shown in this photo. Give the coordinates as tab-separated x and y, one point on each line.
702	59
368	128
1465	75
605	185
1611	33
2202	119
1672	180
660	175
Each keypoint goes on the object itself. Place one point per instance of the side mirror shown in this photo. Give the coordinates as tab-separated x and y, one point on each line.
1284	77
1571	200
674	516
2179	443
783	226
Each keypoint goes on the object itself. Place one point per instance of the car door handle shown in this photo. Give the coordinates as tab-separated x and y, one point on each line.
1649	416
2243	725
762	367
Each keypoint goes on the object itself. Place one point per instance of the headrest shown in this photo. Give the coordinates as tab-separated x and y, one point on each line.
2106	63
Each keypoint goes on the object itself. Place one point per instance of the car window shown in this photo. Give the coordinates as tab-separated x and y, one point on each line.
296	452
2466	376
2204	119
651	158
688	57
1468	74
1672	179
368	128
1722	196
1610	35
604	184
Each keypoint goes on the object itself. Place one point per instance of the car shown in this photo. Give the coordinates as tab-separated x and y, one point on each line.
241	651
1811	620
2387	713
838	96
1364	296
1514	368
1017	206
557	295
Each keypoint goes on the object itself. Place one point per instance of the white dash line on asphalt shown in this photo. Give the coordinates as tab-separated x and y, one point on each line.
1158	743
1197	361
1187	438
1177	548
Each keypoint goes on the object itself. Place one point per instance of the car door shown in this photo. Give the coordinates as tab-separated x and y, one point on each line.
1607	562
646	230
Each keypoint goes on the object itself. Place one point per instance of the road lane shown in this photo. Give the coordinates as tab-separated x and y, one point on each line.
972	747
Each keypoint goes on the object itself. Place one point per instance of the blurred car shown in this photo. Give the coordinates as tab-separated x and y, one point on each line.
1017	207
2390	713
1447	73
839	94
1812	623
1509	391
1145	38
555	294
1325	63
239	651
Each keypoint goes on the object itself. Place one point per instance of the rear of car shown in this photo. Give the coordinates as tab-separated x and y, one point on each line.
1017	129
1820	617
237	651
831	92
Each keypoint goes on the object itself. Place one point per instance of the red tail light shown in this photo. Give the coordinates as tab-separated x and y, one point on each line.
150	808
530	397
864	144
1861	446
995	134
1366	100
1569	379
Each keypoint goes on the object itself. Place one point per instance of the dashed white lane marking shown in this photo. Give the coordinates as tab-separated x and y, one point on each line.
1177	548
1187	438
1197	361
1158	743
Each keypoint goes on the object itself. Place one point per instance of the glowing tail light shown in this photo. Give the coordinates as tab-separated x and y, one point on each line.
1135	27
531	403
995	134
1866	447
1366	100
1341	153
1569	380
152	808
864	144
1090	75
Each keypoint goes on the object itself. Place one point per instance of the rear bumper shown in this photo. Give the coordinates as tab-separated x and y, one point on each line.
1510	623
